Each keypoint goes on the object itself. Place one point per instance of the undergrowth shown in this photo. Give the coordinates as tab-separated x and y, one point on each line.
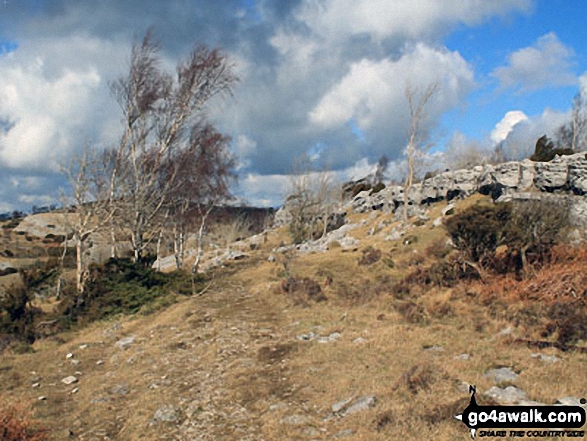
17	424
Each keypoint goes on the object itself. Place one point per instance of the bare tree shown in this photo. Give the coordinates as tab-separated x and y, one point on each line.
88	209
573	135
159	113
418	133
203	174
311	200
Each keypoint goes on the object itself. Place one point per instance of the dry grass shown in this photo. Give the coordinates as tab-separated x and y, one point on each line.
17	424
232	365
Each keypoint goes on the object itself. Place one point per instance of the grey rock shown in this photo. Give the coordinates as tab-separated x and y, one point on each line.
69	380
501	374
463	386
546	358
126	342
307	337
331	338
343	434
550	176
341	405
166	413
348	243
361	405
120	389
435	348
463	357
295	420
509	395
359	340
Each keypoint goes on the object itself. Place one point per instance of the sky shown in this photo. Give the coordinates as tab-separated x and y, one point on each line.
322	78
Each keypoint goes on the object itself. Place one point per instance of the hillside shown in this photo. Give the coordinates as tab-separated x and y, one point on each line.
335	339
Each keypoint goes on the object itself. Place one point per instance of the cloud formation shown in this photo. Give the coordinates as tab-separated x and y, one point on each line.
324	77
547	63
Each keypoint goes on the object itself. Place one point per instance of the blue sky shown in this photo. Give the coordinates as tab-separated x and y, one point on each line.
319	77
489	45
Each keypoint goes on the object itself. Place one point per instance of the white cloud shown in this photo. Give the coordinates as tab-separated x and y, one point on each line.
415	19
545	64
55	93
505	126
372	93
521	140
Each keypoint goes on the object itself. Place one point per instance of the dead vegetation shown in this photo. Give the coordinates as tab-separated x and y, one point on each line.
269	347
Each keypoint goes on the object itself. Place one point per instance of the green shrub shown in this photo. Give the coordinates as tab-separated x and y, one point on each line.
529	229
121	286
479	229
545	150
362	186
377	188
17	315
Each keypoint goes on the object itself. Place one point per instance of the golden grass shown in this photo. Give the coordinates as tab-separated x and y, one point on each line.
231	362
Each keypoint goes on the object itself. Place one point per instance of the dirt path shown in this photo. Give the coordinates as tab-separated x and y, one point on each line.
208	368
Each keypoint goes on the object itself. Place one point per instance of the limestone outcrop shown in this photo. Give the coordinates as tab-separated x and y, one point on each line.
565	175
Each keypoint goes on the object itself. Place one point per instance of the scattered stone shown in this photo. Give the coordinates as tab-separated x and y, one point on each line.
100	400
99	362
437	222
361	404
125	342
341	405
120	389
75	362
343	433
348	243
69	380
331	338
42	398
462	357
35	385
509	395
166	414
83	346
271	258
546	358
307	337
395	235
75	390
295	420
435	348
463	387
501	375
359	340
277	406
69	356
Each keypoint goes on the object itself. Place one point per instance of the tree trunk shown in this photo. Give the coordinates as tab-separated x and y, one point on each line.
79	273
196	264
